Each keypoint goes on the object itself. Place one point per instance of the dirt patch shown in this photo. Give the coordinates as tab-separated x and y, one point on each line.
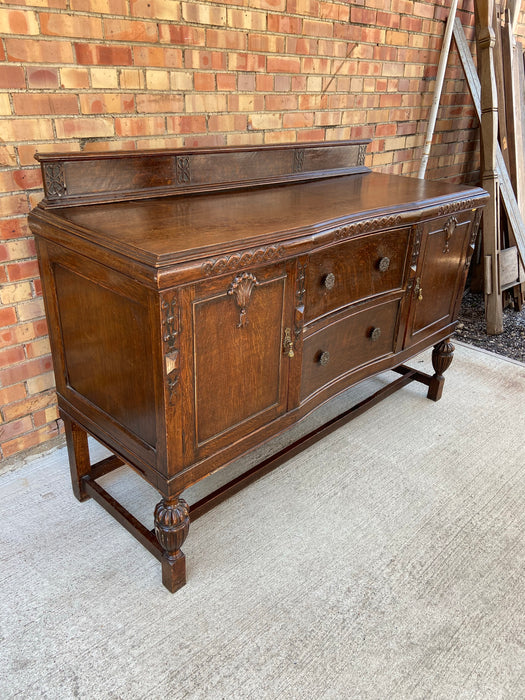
471	328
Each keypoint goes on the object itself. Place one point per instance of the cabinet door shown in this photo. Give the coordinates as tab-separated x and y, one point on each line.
240	368
440	274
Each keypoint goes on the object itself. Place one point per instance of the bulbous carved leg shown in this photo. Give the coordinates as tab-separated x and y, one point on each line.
172	522
441	358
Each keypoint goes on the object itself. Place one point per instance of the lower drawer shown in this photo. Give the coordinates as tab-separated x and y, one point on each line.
347	343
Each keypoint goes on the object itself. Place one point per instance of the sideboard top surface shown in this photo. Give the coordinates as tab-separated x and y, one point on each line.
164	230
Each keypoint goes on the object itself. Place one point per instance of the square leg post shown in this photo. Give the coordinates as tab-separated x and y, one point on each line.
78	452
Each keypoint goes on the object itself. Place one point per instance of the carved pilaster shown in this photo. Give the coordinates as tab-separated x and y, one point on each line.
412	283
170	338
299	304
442	356
416	247
172	522
473	237
475	227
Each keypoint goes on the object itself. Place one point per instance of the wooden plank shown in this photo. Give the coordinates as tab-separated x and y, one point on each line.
512	117
507	193
508	266
521	91
519	117
514	7
105	466
499	67
518	77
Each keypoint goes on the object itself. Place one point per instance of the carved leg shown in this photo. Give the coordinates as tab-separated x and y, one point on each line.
78	452
172	523
441	358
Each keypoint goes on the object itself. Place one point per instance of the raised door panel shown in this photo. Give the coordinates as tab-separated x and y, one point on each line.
440	275
106	346
240	370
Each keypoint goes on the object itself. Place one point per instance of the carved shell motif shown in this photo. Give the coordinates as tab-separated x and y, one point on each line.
241	288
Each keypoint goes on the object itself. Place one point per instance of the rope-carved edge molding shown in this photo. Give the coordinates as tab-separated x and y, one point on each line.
368	225
243	259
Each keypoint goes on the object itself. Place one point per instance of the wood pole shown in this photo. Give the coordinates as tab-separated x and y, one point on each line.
443	59
489	178
514	7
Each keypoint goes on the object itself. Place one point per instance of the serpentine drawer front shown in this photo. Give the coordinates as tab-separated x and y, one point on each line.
203	301
346	342
356	269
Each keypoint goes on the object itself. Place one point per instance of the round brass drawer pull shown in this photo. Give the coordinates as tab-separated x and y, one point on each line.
375	334
384	264
329	280
324	358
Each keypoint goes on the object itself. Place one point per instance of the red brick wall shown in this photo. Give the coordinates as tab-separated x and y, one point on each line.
107	74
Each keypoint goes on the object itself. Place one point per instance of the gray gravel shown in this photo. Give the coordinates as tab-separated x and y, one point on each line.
471	328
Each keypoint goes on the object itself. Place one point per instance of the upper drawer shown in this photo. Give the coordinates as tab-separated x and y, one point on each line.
356	269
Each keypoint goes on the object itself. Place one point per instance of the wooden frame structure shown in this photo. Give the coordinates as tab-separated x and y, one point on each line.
503	266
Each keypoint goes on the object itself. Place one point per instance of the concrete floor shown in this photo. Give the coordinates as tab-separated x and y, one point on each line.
388	561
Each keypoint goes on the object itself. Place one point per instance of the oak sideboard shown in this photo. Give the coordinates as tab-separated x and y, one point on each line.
201	301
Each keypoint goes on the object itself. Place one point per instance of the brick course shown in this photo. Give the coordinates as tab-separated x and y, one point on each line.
106	74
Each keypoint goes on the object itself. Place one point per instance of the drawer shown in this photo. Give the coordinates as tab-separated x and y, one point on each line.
356	269
348	343
448	225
